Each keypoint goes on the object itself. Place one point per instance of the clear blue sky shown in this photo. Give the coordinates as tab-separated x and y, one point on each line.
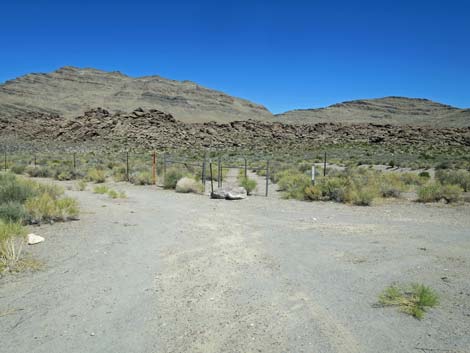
283	54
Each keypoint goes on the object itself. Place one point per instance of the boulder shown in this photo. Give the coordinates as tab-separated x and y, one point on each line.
34	239
229	193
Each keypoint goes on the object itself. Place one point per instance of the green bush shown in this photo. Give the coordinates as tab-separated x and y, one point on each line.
96	175
391	185
47	208
413	300
12	211
142	178
313	193
13	189
38	172
293	185
424	175
18	168
119	174
454	177
101	189
81	185
435	191
171	178
248	184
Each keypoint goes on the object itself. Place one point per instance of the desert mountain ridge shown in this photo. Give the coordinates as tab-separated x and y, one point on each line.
70	91
388	110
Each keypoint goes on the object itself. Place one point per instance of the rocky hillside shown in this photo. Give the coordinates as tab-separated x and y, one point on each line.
389	110
70	91
159	130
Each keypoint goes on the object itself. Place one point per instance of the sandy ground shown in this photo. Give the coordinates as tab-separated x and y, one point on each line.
167	272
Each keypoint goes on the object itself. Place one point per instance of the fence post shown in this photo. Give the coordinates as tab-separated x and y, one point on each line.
164	167
203	174
127	165
35	163
5	160
267	177
154	168
219	173
324	165
74	161
212	182
246	174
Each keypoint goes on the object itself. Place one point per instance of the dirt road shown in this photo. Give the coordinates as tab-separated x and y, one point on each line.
166	272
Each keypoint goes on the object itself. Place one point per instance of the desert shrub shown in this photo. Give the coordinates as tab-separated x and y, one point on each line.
293	185
96	175
116	194
454	177
451	193
38	172
47	208
435	191
100	189
430	192
171	178
414	179
18	168
66	208
14	189
312	193
361	196
12	239
391	185
186	185
413	300
66	174
333	188
424	175
119	173
248	184
142	178
81	185
12	211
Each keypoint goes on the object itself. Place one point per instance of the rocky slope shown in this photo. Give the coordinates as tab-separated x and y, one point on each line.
159	130
70	91
389	110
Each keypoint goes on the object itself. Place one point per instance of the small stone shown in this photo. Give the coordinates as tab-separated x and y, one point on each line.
34	239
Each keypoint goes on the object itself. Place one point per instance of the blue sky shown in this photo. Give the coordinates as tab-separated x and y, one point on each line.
283	54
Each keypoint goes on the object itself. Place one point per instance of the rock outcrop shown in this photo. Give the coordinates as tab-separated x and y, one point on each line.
158	130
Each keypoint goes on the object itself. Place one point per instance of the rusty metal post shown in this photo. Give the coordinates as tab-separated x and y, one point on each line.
324	165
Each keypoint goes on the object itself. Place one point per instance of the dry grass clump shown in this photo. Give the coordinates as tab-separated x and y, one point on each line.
96	175
47	208
103	189
12	240
187	185
413	299
142	178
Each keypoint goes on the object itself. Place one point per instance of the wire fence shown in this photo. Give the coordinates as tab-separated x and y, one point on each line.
151	168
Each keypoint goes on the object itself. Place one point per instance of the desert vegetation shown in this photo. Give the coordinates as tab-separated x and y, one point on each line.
413	299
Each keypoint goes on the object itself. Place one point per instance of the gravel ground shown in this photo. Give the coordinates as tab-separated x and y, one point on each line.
167	272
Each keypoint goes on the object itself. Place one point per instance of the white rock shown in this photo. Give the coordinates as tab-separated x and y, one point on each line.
34	239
